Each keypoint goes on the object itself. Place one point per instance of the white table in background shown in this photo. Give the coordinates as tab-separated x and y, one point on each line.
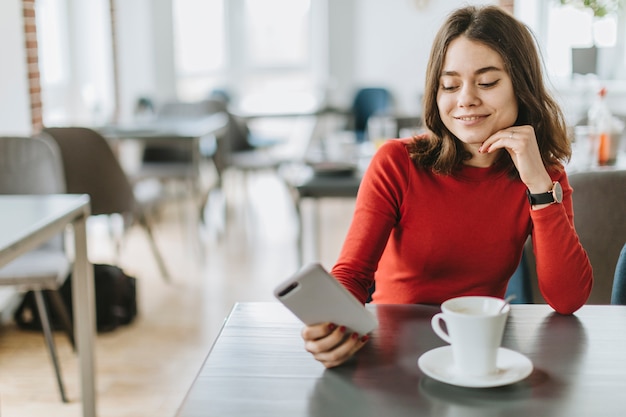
27	221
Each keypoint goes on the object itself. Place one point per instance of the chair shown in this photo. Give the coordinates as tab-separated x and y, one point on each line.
32	165
618	293
600	220
91	167
367	102
519	284
244	151
599	200
170	163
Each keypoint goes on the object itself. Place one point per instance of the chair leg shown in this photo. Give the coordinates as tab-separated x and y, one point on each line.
45	324
157	254
116	237
59	306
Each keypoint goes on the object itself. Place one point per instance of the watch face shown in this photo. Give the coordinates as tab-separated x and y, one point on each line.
557	192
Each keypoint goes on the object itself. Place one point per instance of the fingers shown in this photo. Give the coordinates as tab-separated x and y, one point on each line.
317	331
521	144
516	139
330	344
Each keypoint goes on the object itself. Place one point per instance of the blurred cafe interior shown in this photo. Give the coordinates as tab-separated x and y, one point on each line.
221	115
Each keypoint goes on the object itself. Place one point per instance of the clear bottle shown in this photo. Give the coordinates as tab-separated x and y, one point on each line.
601	119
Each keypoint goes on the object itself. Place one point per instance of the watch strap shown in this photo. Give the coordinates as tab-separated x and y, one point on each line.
543	198
555	195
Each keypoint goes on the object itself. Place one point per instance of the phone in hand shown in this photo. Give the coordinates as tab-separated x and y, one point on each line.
315	296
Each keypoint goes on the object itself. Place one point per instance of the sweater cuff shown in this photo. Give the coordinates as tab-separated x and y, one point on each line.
552	210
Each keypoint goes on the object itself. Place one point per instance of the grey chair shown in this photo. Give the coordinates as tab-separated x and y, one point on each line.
171	161
599	199
91	167
30	165
618	294
244	151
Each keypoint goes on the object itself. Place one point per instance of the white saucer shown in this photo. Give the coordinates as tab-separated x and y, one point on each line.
512	367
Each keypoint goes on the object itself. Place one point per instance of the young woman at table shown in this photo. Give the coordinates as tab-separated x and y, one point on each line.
447	213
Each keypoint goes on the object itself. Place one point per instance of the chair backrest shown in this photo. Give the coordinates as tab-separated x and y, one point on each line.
367	102
180	110
618	294
91	167
599	199
31	165
600	220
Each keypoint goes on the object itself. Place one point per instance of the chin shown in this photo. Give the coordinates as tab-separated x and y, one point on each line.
472	140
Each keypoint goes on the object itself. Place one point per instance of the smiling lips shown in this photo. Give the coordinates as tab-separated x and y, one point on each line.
469	118
469	121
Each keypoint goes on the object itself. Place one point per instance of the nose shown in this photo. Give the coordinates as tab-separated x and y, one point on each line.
468	96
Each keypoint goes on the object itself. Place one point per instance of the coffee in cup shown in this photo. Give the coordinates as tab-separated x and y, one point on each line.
473	326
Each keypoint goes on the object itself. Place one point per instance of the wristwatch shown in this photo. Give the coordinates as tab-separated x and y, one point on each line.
555	195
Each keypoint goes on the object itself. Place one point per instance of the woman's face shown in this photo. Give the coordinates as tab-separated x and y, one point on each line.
475	96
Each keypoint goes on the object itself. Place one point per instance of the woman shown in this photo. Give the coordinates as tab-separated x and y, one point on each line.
447	213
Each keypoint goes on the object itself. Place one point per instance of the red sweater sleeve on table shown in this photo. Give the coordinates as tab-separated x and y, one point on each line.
563	269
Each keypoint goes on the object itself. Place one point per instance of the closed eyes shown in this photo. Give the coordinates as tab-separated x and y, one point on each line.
481	85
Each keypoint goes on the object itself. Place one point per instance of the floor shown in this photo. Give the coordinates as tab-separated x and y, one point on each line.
247	246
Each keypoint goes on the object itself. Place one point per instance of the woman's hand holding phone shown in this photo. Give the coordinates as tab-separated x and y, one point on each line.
336	323
330	344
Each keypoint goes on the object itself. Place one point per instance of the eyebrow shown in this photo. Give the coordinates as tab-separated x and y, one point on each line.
479	71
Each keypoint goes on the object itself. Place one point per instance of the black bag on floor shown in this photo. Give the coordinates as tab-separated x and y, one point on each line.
116	301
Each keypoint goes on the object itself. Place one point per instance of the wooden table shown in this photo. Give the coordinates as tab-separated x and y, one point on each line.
258	367
27	221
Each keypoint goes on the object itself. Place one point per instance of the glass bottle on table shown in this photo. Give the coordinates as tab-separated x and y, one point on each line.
601	119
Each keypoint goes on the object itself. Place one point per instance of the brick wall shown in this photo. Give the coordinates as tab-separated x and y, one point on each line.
116	83
32	62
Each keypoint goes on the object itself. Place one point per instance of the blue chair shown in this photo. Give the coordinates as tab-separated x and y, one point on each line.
520	284
618	294
368	102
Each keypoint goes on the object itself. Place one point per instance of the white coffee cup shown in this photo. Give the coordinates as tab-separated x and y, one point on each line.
475	325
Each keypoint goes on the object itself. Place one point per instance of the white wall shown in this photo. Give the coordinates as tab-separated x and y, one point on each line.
376	43
14	99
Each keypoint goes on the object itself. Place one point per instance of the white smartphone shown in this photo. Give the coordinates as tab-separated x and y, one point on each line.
315	296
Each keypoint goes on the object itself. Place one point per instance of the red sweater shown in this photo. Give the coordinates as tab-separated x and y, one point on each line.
428	237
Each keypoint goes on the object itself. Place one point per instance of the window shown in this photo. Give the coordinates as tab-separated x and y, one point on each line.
53	57
200	45
561	29
277	39
582	31
75	53
244	46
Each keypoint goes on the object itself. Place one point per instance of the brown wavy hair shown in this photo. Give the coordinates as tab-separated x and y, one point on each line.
513	41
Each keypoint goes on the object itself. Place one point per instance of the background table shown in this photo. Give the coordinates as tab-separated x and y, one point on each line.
258	367
179	133
316	188
196	135
27	221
